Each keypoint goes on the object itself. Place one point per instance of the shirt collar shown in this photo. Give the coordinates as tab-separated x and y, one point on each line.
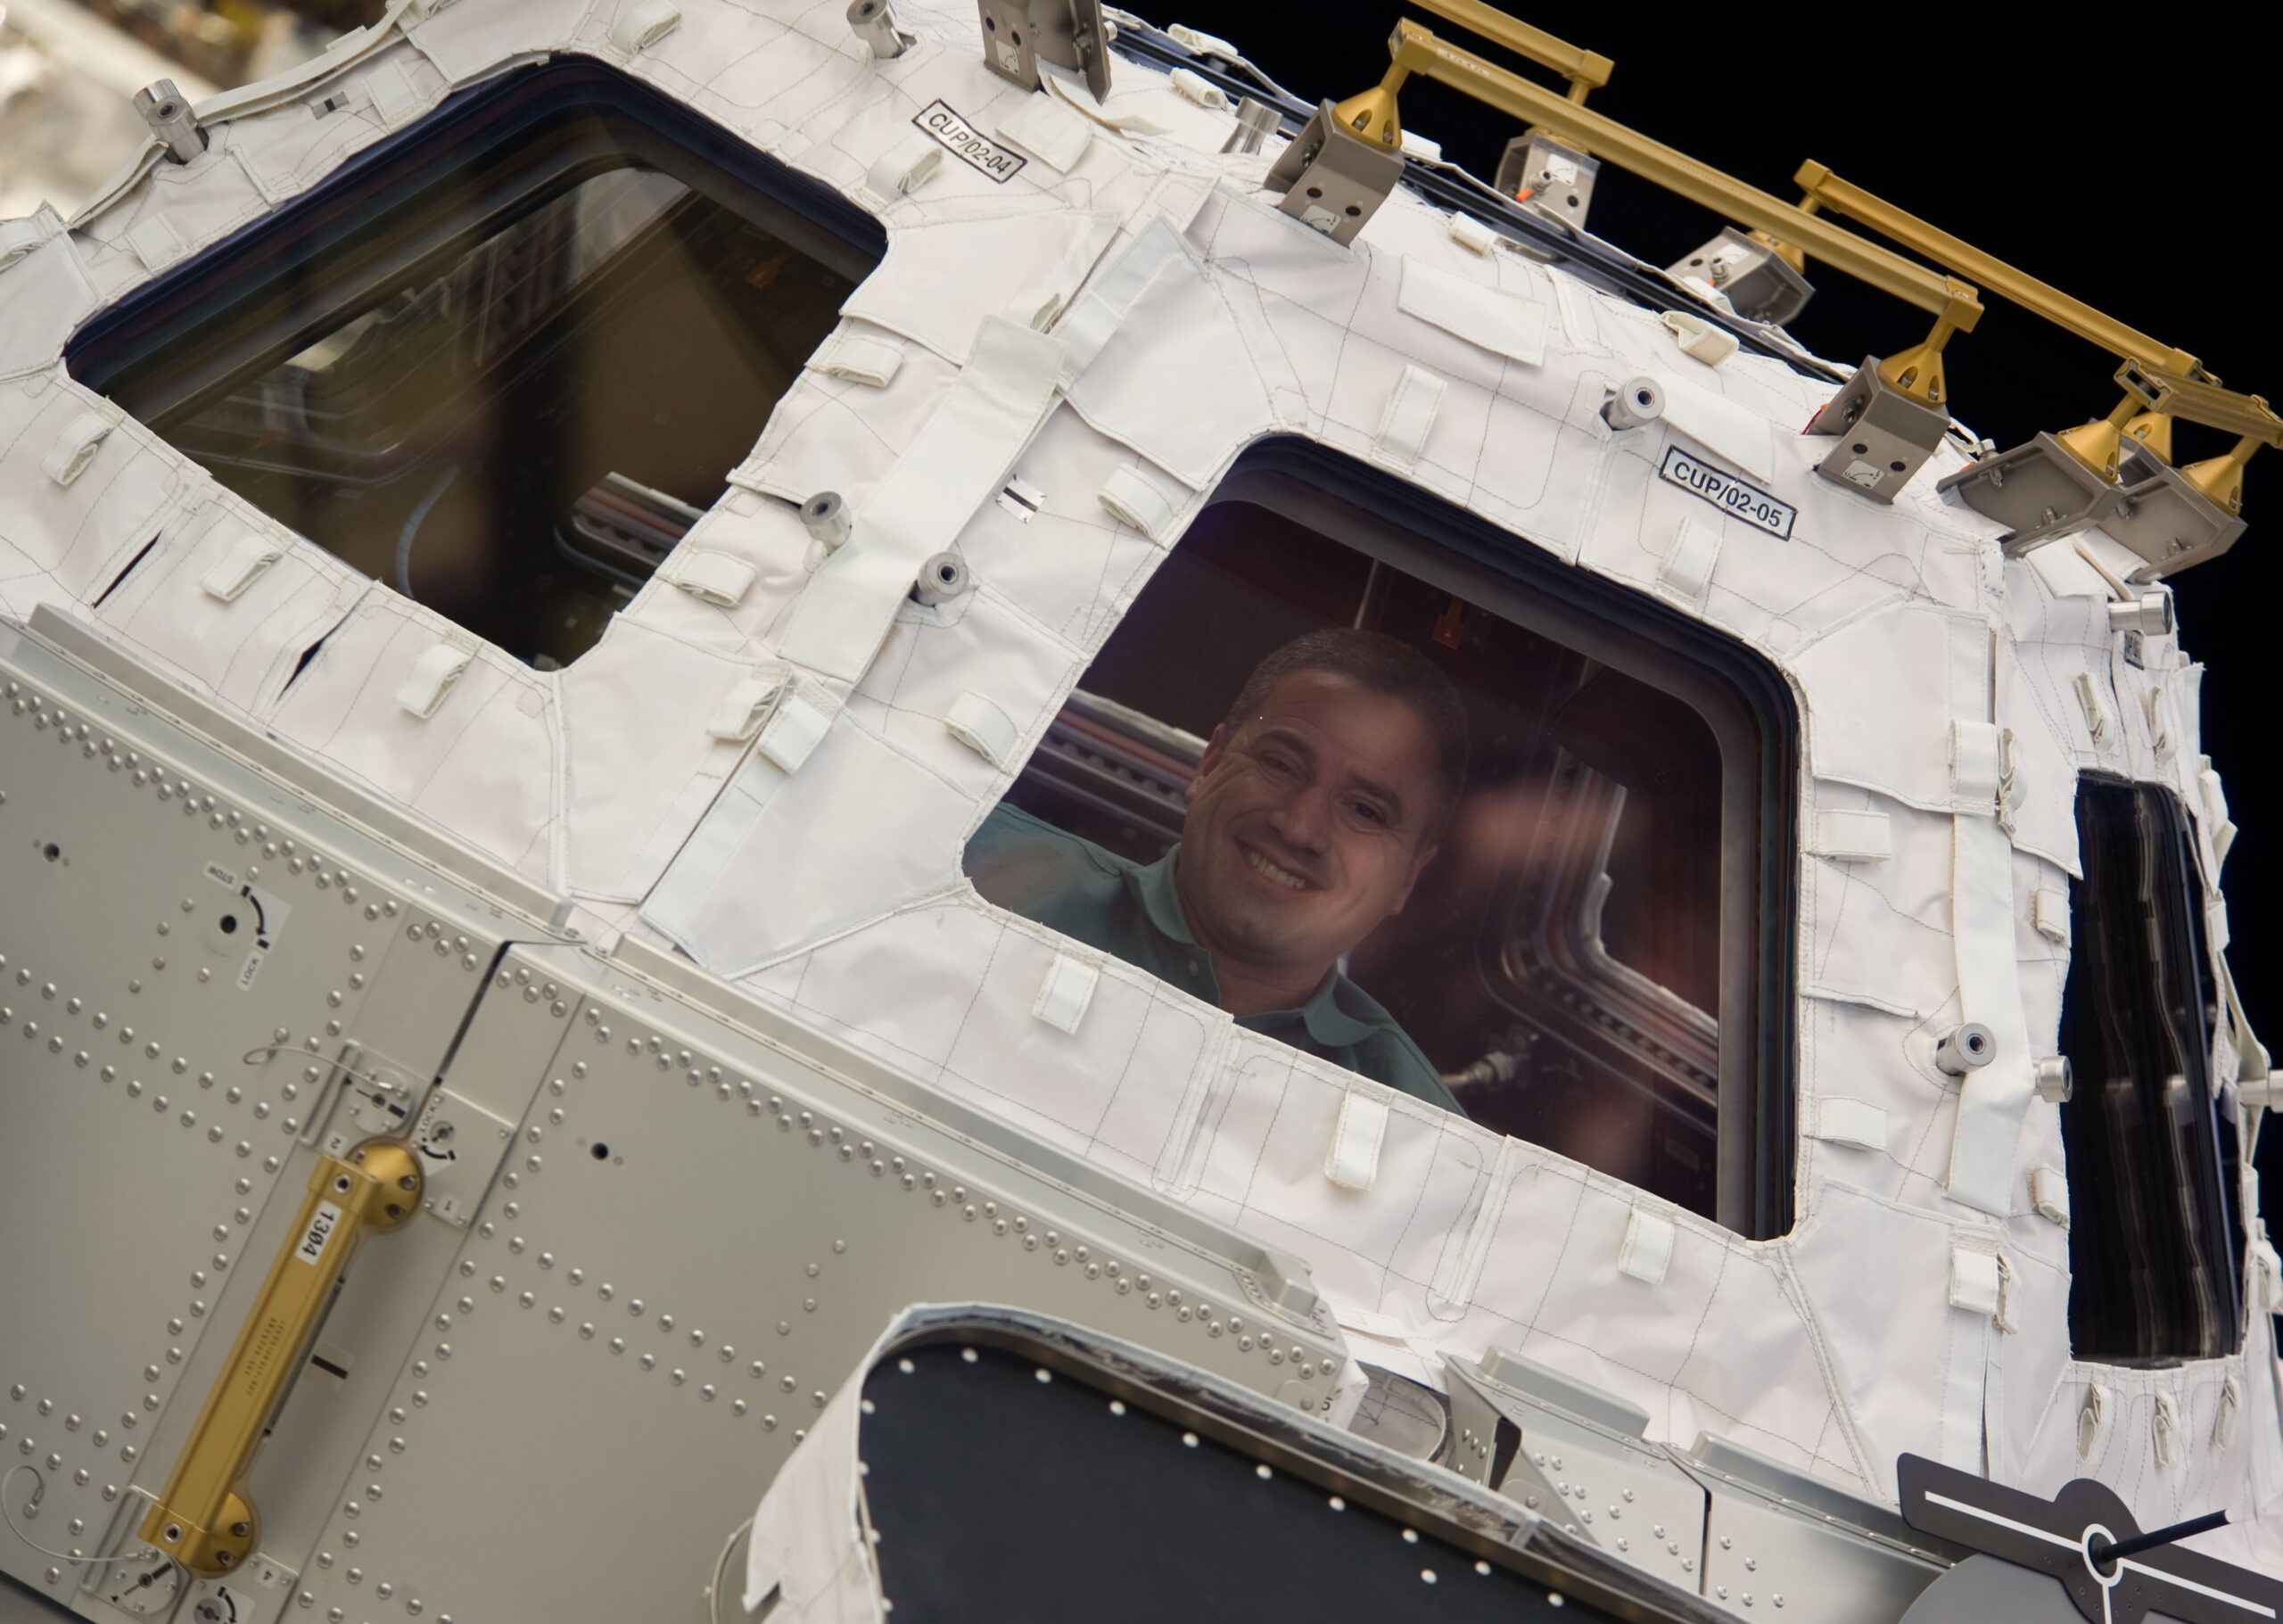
1327	1014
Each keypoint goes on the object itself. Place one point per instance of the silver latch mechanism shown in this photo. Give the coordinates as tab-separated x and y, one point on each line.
167	111
1753	276
1333	179
1018	34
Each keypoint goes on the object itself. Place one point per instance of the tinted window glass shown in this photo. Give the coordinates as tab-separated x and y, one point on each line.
2154	1239
508	391
1561	961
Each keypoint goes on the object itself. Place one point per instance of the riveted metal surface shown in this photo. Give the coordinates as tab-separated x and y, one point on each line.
189	945
700	1231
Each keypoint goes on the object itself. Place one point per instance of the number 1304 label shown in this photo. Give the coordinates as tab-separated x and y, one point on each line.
1728	493
322	1223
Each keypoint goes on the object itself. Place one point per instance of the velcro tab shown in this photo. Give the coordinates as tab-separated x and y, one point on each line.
1131	498
1354	1161
1504	324
1194	87
641	25
1699	339
1686	568
1048	130
861	357
1646	1251
903	168
746	706
1974	1278
2050	912
802	716
1975	765
1847	836
1851	1122
76	447
241	566
1471	233
983	727
155	242
2049	1194
1408	416
711	577
432	678
394	98
1066	991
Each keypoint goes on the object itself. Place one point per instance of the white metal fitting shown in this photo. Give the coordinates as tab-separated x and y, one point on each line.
2150	615
1969	1048
2055	1081
826	518
1634	403
942	579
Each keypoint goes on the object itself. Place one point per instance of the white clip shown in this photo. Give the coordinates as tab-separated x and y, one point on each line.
1133	499
796	727
76	447
746	706
155	242
1408	415
238	568
1066	991
1196	87
2165	1424
1974	1284
2092	1420
984	728
2223	1423
861	357
1354	1161
2050	913
1471	234
1698	338
432	678
1050	131
1646	1251
1686	568
640	26
903	168
1977	767
1846	836
1851	1122
714	578
2049	1194
2089	700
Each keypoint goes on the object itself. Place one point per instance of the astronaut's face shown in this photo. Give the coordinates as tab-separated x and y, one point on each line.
1306	824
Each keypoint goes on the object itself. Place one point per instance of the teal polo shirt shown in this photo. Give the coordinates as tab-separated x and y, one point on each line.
1132	911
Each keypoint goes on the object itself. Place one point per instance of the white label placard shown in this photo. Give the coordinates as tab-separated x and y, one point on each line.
322	1223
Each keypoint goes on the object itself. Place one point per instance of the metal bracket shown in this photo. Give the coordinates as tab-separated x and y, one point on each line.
1073	34
2039	490
1884	436
1548	177
1756	281
2162	516
1333	178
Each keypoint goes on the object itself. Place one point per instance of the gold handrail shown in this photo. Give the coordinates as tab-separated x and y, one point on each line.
1584	70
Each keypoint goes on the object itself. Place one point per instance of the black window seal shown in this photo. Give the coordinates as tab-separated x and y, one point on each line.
1741	696
398	180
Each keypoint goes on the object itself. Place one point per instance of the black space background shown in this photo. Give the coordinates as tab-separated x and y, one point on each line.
2013	127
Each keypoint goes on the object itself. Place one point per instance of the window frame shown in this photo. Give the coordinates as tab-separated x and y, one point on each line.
1744	699
193	318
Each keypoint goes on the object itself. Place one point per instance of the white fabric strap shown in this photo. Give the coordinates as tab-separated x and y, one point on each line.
955	463
1408	416
1193	87
2049	1194
1048	131
2064	571
1686	568
1993	1100
903	168
2089	700
983	727
155	242
1976	765
1066	991
2165	1424
390	87
1699	339
802	716
1974	1285
431	677
1202	44
1471	234
2230	1406
719	579
1646	1251
239	568
2050	913
746	706
1736	433
1503	324
1354	1161
2092	1420
1087	326
1131	498
19	237
861	357
643	25
1846	836
1851	1122
75	448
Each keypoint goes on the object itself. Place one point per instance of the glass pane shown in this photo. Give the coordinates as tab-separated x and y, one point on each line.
516	428
1558	961
2155	1240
